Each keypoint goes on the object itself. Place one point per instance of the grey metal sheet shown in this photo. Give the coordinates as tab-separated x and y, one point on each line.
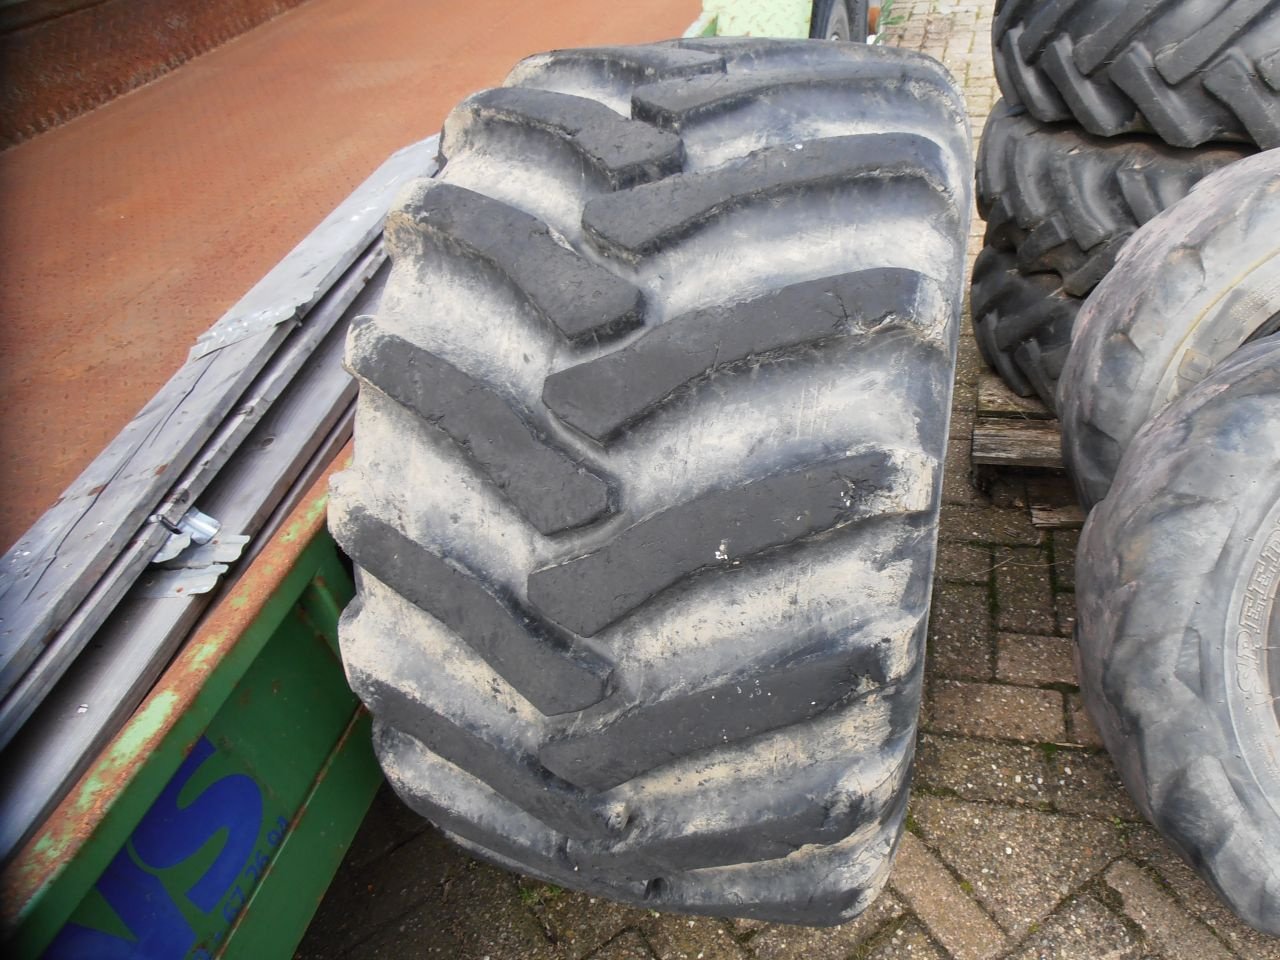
58	563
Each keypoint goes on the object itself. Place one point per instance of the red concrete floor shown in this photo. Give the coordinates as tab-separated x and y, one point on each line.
128	231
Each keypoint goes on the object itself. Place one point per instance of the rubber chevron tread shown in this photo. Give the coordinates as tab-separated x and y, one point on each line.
1062	203
604	395
621	151
638	222
1190	71
1176	592
549	487
648	453
1075	198
580	299
1022	322
1189	288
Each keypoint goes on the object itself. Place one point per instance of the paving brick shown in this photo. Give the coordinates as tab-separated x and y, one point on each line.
363	900
980	524
908	942
1024	594
1082	929
825	943
1195	896
477	914
576	922
1064	608
1020	863
1064	543
1173	932
1035	661
1087	784
676	937
959	643
964	562
957	483
996	711
627	946
1080	728
982	770
942	904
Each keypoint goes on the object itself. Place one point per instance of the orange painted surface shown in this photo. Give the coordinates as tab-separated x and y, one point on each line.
128	231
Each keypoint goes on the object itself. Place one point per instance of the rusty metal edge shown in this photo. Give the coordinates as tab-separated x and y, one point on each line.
78	817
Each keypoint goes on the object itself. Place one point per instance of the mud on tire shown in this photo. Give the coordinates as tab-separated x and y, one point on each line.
1190	71
1189	288
1179	627
647	469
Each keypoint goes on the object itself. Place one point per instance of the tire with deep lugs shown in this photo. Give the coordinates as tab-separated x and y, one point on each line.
1188	289
1066	201
647	471
1190	71
1179	627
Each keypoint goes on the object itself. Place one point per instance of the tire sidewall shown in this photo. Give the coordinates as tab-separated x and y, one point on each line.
1239	662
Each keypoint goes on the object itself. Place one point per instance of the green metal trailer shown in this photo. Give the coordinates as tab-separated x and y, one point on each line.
212	822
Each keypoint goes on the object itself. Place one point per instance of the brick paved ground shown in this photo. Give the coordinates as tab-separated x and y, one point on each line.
1020	843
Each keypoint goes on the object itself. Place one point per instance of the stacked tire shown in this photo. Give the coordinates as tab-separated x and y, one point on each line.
1168	387
1111	112
647	476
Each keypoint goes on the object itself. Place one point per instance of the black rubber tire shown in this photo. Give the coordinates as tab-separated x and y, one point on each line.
1179	627
1067	201
647	472
840	20
1189	288
1022	322
1190	71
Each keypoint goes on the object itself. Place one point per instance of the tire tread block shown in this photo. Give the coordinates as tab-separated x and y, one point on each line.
674	103
635	223
580	299
794	690
622	151
1187	70
540	661
602	396
552	490
715	530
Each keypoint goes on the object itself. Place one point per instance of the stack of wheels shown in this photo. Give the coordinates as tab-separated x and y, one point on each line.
1111	112
1170	409
1059	205
1179	627
648	450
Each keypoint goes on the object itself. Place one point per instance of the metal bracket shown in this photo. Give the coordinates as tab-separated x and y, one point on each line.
192	527
194	557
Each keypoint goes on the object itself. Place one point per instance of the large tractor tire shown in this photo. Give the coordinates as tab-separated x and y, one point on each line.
1179	627
647	471
1190	71
1188	289
1059	206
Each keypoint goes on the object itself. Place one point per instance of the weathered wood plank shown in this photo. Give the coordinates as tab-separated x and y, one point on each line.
1053	503
995	399
1068	516
102	686
253	405
1002	442
55	566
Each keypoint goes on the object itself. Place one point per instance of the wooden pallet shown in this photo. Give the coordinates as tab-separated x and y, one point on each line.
1010	431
